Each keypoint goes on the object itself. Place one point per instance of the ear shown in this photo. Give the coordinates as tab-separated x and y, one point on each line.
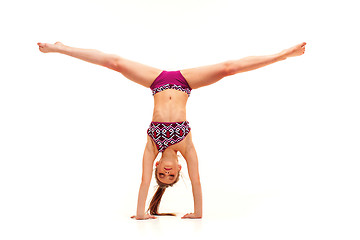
179	167
157	163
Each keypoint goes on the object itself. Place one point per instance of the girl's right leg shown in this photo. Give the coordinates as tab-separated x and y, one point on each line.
137	72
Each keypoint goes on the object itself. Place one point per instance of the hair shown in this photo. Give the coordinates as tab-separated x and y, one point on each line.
155	201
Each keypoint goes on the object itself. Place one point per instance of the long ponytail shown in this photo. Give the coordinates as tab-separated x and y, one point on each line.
155	201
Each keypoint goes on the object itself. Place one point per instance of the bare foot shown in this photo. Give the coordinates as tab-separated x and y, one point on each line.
48	47
295	51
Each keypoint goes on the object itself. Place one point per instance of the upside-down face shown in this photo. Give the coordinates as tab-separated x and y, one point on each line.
167	170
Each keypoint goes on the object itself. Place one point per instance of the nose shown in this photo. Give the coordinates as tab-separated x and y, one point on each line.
167	170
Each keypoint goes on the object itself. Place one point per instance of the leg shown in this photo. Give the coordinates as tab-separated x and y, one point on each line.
137	72
206	75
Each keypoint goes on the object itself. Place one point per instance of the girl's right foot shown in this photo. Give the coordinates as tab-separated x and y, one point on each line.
48	47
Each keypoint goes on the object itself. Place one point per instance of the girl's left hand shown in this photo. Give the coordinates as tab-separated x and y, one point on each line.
192	216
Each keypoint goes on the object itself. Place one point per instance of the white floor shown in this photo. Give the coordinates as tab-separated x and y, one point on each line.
253	216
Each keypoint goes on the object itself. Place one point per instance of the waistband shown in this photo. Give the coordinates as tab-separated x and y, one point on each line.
186	122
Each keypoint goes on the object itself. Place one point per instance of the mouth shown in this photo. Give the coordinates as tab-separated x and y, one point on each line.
167	169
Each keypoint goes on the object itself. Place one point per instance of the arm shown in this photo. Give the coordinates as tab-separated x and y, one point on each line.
150	154
193	169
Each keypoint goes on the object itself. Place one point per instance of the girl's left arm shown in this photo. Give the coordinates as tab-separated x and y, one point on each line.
193	169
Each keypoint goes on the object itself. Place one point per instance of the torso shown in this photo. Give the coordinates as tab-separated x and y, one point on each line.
170	106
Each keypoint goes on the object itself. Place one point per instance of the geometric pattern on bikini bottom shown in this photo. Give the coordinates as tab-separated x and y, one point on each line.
166	134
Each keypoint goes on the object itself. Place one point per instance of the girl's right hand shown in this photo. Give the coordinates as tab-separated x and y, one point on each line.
145	217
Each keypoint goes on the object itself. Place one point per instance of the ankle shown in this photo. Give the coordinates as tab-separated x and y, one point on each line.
282	55
60	48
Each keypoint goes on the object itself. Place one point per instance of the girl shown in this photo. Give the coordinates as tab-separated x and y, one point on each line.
169	132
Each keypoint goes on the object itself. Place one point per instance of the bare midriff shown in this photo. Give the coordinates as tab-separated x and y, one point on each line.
170	106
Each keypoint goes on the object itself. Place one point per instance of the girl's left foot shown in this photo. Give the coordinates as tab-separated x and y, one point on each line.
48	47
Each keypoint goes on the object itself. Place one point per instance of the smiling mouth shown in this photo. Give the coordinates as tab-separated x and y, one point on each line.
167	169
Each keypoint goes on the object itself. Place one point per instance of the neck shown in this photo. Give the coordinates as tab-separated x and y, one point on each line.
169	153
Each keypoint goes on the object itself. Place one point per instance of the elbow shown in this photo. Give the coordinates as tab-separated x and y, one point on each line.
196	181
145	182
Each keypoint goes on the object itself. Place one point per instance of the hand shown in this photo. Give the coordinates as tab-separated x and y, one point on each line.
145	217
192	216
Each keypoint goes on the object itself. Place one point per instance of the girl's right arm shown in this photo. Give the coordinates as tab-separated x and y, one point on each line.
150	154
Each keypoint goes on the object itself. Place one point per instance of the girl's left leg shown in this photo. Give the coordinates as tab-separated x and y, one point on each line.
206	75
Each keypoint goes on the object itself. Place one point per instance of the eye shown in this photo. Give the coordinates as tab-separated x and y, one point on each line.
161	175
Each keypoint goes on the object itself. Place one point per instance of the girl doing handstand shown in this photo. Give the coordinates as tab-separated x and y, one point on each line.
169	132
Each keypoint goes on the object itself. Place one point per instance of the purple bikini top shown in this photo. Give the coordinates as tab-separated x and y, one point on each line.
170	80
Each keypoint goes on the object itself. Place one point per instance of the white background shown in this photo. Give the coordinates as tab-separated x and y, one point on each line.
278	147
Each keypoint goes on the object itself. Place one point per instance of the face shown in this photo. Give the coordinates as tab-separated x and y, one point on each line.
167	170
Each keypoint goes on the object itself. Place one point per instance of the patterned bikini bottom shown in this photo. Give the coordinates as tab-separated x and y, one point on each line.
166	134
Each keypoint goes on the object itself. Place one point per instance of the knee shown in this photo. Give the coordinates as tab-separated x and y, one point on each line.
229	68
113	62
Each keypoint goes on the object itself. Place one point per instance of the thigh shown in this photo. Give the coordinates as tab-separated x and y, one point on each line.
137	72
205	75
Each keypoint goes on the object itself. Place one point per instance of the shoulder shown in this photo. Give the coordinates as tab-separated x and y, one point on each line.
191	158
151	146
188	143
189	149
